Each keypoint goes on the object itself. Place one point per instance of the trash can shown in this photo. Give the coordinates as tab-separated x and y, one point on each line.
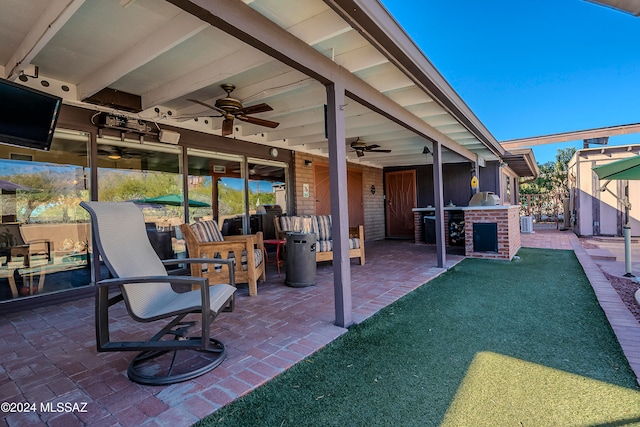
429	229
301	260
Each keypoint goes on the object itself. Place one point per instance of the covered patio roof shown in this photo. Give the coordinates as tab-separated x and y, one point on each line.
330	71
628	6
158	55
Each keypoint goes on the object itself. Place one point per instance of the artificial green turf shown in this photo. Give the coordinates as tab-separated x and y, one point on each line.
530	327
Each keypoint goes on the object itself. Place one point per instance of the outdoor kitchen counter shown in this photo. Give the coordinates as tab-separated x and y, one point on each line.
490	231
464	208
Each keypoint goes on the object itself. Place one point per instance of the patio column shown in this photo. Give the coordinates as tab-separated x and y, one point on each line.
339	203
438	196
476	173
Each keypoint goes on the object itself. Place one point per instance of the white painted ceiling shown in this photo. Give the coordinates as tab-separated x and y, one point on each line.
167	56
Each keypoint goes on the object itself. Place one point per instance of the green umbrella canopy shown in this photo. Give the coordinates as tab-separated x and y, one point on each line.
621	169
173	200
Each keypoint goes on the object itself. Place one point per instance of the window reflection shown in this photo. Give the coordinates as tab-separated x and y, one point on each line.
241	198
45	239
207	172
267	195
44	234
149	175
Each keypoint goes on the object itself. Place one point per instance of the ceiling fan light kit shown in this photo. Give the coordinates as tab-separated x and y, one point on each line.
360	147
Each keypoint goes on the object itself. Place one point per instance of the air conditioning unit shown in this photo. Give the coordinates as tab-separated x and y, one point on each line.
526	224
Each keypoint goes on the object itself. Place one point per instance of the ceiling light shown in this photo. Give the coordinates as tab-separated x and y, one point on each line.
114	156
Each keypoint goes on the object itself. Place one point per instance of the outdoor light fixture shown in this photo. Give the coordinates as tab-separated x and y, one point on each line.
307	162
168	136
28	71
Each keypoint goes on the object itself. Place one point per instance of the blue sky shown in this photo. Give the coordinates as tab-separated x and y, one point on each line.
536	67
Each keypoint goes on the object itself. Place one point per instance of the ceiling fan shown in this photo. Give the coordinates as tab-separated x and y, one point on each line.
360	147
231	108
117	153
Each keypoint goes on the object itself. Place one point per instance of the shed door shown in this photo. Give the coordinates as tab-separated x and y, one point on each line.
400	191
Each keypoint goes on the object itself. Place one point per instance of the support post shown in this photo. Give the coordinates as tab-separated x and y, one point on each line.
627	233
438	196
339	203
476	174
626	227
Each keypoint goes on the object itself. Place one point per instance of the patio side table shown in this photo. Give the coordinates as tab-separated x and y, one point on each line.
279	243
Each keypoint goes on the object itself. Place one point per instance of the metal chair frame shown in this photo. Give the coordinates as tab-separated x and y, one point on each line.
212	350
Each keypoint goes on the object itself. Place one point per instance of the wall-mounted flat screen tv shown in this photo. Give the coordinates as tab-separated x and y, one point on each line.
28	116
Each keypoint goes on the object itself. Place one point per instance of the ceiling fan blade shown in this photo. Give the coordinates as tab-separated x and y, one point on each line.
227	127
379	151
259	122
212	107
372	146
359	153
254	109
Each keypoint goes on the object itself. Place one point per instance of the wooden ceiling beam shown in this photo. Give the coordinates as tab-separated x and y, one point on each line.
571	136
180	28
53	18
240	21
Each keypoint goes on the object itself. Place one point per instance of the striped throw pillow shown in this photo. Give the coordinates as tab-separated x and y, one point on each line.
323	227
207	231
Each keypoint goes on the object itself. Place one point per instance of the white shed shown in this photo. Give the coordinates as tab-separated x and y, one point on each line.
593	212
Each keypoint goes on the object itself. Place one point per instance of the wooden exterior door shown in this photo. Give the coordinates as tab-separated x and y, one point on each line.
354	193
400	191
356	200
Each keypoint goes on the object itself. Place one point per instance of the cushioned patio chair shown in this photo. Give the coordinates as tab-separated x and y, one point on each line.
204	240
150	294
16	248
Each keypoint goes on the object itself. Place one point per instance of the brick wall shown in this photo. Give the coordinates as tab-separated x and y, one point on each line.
508	221
373	203
303	175
374	227
417	226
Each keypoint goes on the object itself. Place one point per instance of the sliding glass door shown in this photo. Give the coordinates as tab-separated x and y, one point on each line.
44	233
150	175
218	180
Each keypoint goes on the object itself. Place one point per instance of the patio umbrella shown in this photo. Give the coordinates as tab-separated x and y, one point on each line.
628	169
12	186
173	200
